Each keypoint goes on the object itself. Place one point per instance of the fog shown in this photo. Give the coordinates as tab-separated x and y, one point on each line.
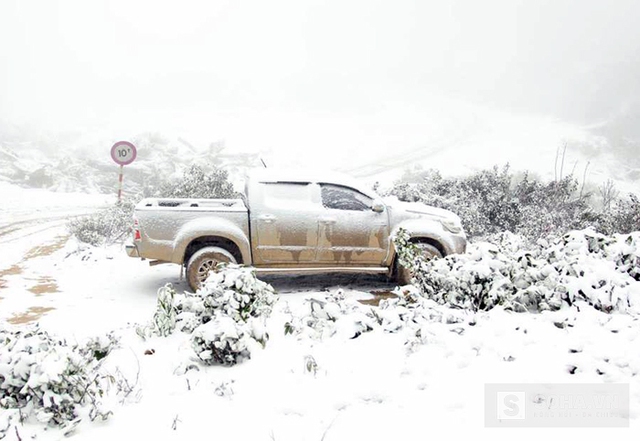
299	76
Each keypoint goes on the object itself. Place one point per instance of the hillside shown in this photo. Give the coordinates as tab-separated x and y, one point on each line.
456	144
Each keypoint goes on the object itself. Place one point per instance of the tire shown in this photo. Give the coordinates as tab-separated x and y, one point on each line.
404	275
202	262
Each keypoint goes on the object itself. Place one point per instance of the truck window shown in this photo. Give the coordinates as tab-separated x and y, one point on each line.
337	197
278	193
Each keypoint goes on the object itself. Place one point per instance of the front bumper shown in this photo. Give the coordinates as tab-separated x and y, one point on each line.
132	250
457	244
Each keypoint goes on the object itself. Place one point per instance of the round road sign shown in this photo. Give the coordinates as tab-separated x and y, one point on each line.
123	152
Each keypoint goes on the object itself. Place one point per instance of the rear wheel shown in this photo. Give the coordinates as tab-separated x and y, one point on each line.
404	275
203	262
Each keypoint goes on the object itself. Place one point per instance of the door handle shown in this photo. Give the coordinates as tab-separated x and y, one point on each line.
327	220
267	218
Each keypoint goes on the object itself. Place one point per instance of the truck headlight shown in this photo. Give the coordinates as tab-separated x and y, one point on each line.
451	225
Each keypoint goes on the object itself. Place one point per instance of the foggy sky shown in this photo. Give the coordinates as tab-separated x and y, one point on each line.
224	65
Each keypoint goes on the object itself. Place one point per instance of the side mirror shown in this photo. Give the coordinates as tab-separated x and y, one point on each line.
378	207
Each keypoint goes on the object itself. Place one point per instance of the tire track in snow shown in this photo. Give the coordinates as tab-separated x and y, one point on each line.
12	234
27	227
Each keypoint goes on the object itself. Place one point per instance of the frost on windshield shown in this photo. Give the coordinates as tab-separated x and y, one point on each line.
343	198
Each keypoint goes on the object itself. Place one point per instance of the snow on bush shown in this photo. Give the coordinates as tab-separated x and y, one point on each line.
331	315
198	181
105	227
230	310
495	200
230	290
413	314
164	319
55	382
226	316
224	341
623	216
490	201
582	265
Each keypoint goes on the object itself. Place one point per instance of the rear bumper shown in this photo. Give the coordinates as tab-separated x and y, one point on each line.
132	250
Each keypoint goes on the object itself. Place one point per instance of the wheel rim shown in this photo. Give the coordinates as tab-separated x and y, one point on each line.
204	269
429	252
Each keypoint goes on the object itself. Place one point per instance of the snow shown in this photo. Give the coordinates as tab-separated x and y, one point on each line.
31	204
340	374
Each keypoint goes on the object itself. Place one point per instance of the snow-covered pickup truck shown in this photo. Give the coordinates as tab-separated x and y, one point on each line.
291	222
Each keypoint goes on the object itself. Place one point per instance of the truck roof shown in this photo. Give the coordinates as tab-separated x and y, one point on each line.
313	176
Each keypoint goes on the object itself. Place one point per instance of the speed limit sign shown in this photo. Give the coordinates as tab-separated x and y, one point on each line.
123	153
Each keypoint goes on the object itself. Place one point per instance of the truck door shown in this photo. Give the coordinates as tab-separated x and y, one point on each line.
350	232
285	225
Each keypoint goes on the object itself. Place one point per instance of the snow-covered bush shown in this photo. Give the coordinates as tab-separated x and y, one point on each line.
492	201
104	227
226	316
230	290
224	341
582	265
198	181
164	319
329	315
44	377
409	313
551	208
229	311
413	314
623	217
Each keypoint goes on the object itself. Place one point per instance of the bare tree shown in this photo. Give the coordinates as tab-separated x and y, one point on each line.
609	194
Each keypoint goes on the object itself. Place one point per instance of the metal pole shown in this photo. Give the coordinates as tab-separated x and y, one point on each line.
120	184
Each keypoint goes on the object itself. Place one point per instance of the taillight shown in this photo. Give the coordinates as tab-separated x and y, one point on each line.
136	230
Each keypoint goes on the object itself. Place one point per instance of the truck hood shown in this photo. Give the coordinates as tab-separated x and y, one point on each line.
420	208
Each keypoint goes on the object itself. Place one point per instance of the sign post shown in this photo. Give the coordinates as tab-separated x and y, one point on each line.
123	153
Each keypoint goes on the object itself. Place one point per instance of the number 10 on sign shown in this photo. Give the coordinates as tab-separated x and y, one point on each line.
123	153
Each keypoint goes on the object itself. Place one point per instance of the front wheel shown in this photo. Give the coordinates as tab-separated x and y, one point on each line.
203	262
404	275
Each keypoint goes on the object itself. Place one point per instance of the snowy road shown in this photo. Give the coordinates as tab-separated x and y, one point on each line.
32	229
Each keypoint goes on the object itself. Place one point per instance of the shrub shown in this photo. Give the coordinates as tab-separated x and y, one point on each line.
105	227
43	376
329	315
197	181
114	223
493	201
229	311
483	201
222	341
332	315
225	317
553	207
623	217
230	290
580	266
164	319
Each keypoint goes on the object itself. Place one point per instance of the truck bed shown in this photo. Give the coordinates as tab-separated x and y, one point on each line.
166	224
197	204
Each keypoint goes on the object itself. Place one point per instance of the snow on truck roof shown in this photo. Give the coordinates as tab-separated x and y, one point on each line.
312	176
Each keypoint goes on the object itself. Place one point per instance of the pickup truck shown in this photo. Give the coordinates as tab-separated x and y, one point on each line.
291	222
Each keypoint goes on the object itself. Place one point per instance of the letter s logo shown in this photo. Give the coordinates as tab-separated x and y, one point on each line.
510	405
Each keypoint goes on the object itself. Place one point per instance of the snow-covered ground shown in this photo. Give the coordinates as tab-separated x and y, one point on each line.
305	386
